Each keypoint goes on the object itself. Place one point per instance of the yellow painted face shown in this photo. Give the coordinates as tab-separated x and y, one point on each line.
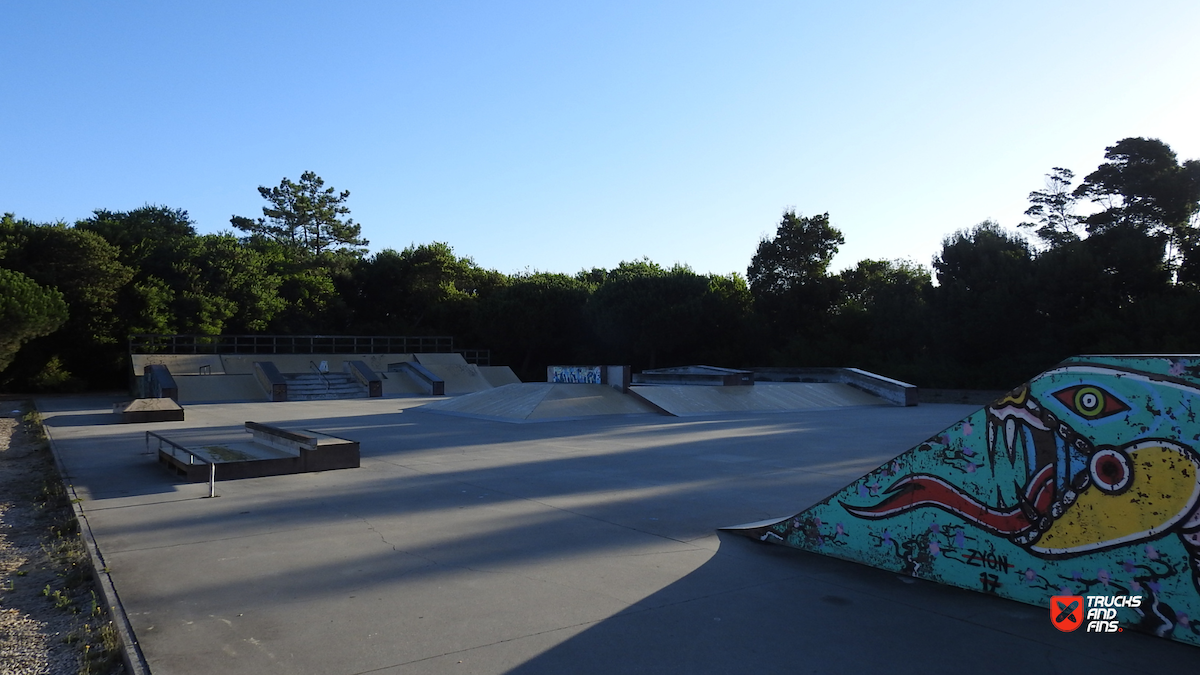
1135	492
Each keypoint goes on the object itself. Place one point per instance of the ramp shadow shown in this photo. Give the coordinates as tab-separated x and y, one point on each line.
756	608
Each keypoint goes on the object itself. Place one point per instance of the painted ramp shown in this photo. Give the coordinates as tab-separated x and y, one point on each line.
687	400
1081	482
541	402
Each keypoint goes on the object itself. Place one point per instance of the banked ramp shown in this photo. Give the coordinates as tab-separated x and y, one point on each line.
687	401
1081	482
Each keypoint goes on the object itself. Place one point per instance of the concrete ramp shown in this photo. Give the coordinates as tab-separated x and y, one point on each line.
498	376
400	384
460	377
1081	482
541	402
688	400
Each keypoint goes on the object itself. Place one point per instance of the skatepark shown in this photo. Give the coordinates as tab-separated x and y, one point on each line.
585	542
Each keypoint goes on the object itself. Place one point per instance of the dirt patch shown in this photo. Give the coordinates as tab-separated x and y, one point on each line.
51	619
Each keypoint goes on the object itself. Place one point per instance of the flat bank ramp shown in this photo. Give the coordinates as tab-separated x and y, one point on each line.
499	376
460	377
541	402
1084	481
685	400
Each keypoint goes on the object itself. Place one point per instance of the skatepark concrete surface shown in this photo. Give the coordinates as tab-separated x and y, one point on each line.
542	401
586	546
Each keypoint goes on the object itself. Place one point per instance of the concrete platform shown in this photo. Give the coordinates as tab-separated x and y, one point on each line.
468	546
148	410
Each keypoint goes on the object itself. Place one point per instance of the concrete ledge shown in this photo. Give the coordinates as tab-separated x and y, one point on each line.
696	375
433	385
156	378
273	452
365	376
271	380
895	391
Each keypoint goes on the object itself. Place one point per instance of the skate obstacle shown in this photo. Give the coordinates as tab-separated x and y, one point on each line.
1081	482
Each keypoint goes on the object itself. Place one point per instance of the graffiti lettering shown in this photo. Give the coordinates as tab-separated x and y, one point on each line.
576	374
990	582
988	559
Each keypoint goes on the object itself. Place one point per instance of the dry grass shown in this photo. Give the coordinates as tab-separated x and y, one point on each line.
52	612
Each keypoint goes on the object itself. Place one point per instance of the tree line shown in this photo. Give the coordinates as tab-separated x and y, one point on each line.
1108	265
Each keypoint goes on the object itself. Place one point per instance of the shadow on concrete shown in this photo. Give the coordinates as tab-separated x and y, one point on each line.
83	420
452	515
832	616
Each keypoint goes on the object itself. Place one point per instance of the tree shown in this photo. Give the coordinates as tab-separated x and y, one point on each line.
882	321
142	234
537	319
799	254
86	270
1142	187
422	290
27	311
988	326
305	217
1053	210
80	264
647	315
789	280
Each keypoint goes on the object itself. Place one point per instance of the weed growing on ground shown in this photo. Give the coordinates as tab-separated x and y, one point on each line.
100	643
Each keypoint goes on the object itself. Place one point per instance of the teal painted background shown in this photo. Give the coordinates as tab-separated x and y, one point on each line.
1083	481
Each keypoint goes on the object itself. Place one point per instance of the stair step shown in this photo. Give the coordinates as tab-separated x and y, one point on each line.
313	387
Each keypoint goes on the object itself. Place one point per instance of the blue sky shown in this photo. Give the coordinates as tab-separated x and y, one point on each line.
556	136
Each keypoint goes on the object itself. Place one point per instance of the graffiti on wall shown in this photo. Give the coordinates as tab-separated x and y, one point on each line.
576	374
1083	481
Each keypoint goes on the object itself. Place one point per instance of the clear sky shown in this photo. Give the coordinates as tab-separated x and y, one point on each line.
556	136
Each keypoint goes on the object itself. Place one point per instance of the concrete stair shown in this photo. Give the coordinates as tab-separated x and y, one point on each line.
314	387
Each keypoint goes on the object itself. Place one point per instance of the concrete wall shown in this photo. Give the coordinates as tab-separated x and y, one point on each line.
1081	482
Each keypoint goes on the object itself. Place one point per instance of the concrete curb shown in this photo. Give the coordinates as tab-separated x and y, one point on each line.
131	653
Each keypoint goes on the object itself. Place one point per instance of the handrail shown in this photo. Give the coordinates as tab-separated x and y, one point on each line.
318	372
193	458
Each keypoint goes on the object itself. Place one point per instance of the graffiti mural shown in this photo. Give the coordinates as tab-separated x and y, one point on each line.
576	374
1083	481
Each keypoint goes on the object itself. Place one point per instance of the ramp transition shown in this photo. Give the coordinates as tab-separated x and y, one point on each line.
1082	482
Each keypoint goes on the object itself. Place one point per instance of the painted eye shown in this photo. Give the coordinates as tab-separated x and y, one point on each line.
1111	471
1090	401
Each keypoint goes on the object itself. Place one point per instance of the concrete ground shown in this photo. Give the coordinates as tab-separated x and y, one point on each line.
587	546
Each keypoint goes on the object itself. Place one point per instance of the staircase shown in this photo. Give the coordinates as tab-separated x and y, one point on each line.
314	387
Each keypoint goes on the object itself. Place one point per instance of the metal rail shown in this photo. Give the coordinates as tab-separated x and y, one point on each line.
316	369
161	343
192	457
